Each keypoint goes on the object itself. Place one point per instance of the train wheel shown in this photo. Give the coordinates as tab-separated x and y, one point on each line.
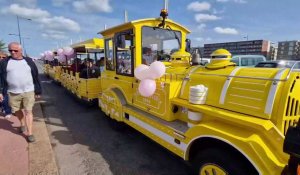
214	161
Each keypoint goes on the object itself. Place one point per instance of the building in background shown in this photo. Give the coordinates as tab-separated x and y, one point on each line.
288	50
273	53
252	47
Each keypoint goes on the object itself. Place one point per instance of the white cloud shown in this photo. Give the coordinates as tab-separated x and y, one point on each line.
199	39
26	3
215	11
59	3
202	39
227	31
60	23
206	17
240	1
52	34
201	27
52	26
88	6
236	1
24	12
199	6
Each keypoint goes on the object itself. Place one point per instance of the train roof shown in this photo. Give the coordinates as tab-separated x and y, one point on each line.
130	24
90	45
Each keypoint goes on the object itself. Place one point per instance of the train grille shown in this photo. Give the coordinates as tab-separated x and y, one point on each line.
292	113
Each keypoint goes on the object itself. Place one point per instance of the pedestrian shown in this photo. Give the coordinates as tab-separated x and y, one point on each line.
6	109
19	79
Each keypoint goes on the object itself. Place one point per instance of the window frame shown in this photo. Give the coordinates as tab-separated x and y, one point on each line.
130	33
106	46
157	55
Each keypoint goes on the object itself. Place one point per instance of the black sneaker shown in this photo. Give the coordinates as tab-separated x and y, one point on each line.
31	138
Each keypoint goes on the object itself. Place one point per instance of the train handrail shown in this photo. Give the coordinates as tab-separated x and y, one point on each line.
187	75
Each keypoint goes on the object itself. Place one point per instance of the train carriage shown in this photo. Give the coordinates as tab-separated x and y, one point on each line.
86	88
222	118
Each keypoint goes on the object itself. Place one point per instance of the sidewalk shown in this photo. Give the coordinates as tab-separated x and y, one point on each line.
20	158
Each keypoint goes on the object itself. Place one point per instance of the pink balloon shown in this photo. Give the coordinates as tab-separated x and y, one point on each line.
147	87
49	55
61	58
73	55
68	51
60	51
141	72
157	69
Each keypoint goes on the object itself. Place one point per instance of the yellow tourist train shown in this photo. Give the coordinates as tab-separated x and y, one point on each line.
221	118
86	89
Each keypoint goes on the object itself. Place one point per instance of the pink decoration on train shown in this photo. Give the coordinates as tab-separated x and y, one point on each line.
147	75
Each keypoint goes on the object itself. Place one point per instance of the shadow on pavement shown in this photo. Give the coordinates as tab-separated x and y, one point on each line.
63	137
8	125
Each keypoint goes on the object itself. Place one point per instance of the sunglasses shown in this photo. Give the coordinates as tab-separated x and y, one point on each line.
13	50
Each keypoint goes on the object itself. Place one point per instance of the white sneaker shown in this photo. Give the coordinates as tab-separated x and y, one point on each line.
7	116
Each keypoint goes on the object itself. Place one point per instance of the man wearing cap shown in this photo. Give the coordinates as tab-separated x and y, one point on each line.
19	78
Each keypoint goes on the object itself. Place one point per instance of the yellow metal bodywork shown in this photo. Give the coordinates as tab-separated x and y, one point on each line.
246	108
46	69
86	89
253	134
212	170
94	43
54	72
249	109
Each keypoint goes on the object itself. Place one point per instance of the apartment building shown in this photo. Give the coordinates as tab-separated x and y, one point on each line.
252	47
288	50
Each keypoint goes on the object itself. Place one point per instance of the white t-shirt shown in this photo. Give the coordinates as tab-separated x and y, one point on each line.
19	77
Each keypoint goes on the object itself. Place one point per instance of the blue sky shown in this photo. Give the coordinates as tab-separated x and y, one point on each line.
57	23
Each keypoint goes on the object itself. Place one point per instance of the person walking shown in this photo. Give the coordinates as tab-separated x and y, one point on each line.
6	109
19	79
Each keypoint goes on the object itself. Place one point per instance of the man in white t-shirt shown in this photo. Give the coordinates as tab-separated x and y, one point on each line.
19	78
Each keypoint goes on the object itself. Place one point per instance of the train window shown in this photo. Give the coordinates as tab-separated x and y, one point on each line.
158	44
124	53
109	55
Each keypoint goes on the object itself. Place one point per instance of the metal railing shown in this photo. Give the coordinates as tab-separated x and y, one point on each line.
187	75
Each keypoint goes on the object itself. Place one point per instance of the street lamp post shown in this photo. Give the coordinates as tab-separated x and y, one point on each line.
19	30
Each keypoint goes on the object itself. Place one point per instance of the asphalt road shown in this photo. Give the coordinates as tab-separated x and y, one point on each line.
84	141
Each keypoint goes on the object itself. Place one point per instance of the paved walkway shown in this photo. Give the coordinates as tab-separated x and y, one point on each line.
13	148
17	157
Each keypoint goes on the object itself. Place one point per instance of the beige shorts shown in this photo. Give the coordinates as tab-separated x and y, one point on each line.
21	101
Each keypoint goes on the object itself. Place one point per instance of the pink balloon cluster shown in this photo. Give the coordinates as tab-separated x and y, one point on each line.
49	55
65	53
68	51
147	75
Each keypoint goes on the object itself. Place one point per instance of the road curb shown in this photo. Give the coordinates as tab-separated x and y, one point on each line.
41	156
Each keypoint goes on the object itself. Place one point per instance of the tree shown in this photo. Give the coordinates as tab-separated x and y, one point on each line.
2	46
